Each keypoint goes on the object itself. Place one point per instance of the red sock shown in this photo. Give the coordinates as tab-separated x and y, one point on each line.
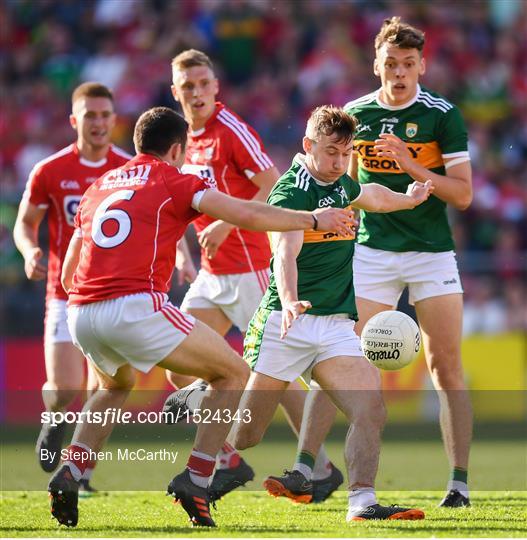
77	459
201	467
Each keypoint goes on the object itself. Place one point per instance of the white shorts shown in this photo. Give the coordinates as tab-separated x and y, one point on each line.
381	276
310	340
140	329
56	322
237	295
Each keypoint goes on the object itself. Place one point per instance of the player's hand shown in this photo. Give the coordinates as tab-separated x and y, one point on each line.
290	312
419	191
341	221
390	146
34	269
186	271
213	236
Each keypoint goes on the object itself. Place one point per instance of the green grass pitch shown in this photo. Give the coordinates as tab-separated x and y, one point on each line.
417	467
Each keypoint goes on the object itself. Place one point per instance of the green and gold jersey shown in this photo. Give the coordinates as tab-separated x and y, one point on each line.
433	130
324	263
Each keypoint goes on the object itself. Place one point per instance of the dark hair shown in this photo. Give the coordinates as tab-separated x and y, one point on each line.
191	58
331	120
401	34
91	89
158	129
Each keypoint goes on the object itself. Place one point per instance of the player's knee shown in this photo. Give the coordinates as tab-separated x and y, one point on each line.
57	399
242	373
235	374
65	381
124	380
246	438
446	374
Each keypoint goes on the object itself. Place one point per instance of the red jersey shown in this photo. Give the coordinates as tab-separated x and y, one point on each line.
58	183
130	221
230	152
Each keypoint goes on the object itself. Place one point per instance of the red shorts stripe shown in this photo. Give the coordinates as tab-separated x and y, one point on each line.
170	318
154	301
180	316
161	299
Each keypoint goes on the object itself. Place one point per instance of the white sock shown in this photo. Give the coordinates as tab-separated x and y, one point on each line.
322	468
460	486
360	498
306	470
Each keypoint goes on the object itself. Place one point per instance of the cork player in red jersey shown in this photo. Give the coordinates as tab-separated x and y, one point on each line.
55	188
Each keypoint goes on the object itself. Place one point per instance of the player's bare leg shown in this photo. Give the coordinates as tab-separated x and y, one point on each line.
111	393
440	319
319	415
88	438
354	385
65	375
65	380
319	411
206	355
262	396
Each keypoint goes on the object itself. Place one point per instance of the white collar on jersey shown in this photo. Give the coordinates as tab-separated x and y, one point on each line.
93	164
396	107
301	160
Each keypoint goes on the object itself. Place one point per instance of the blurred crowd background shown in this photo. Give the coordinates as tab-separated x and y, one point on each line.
276	60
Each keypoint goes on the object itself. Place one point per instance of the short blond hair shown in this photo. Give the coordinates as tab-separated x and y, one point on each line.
331	120
91	89
191	58
401	34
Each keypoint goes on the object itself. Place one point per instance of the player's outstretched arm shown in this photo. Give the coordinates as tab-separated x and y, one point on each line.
377	198
259	216
71	261
25	234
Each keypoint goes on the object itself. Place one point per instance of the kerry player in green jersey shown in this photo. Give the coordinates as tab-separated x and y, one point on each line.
405	134
305	322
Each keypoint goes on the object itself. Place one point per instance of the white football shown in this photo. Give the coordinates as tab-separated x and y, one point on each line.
391	340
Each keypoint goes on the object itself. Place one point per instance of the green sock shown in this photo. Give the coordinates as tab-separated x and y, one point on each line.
306	458
459	475
305	462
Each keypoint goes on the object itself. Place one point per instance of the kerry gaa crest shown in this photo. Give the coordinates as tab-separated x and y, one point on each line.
411	129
